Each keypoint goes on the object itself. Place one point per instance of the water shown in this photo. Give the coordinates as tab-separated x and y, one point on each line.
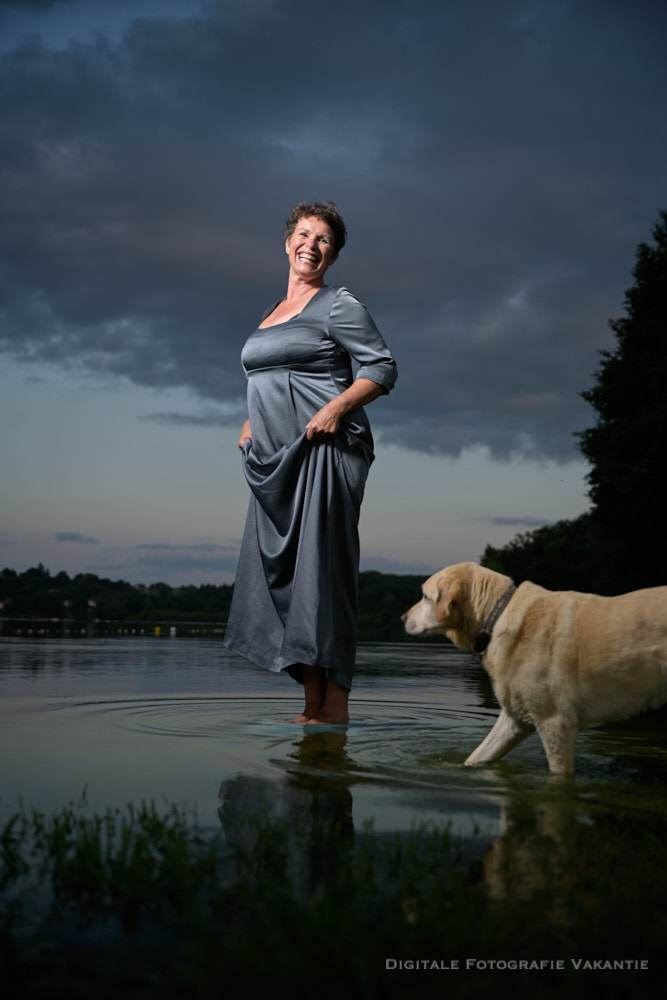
574	867
107	722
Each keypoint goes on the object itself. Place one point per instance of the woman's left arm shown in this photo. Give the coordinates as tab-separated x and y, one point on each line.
351	326
327	420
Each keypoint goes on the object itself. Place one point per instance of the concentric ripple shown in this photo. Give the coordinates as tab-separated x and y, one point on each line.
389	741
190	723
207	717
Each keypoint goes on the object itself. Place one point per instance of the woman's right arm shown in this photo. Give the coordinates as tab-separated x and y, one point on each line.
246	434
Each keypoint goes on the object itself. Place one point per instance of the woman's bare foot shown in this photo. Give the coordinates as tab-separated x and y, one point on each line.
324	721
326	702
315	689
334	711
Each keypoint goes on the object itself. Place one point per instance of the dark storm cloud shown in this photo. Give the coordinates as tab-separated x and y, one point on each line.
75	536
34	5
160	561
520	522
496	164
208	418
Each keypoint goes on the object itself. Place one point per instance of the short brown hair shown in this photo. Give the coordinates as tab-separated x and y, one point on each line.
325	211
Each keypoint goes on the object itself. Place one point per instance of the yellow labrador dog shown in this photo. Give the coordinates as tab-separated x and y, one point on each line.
560	661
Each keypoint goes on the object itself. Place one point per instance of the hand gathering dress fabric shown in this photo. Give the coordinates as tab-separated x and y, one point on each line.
295	594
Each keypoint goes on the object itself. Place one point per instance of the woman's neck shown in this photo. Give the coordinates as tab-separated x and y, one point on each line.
297	288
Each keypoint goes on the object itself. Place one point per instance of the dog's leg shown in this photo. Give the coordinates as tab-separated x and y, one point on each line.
559	738
506	733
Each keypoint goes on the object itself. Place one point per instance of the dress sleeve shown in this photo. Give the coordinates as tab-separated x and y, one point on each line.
352	328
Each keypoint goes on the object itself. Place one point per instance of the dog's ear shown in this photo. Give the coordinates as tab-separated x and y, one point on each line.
448	596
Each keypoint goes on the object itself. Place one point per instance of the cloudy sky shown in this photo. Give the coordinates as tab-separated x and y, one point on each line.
496	162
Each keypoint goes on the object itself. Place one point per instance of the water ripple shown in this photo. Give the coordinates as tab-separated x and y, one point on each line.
389	742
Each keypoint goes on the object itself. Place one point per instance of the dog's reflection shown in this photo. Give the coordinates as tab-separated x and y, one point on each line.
540	833
311	808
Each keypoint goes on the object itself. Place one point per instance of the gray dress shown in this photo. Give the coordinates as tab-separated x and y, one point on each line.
295	594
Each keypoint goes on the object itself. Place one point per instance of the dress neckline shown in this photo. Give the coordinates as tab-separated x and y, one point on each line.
283	322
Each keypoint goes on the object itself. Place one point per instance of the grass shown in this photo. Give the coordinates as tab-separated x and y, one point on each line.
141	904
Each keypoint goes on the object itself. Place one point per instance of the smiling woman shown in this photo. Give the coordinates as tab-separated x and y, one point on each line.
311	248
307	448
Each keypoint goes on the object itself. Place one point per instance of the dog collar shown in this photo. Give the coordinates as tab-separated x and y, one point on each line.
483	639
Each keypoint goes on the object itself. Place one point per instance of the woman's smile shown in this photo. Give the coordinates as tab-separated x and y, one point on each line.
310	248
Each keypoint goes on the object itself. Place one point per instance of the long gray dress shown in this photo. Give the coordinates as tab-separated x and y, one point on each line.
295	594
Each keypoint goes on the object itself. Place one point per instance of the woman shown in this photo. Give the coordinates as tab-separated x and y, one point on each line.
307	448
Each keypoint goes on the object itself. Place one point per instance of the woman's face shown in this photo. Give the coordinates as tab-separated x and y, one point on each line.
310	248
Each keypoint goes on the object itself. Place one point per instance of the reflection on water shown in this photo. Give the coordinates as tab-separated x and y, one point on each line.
316	813
103	723
187	722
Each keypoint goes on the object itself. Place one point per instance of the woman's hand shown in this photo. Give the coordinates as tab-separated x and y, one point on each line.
326	421
246	434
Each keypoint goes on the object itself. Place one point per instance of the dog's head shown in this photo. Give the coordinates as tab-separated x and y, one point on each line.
456	602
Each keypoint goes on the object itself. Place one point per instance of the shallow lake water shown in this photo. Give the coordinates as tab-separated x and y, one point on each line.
104	722
555	872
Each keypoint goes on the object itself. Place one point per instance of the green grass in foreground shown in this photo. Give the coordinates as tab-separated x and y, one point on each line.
137	904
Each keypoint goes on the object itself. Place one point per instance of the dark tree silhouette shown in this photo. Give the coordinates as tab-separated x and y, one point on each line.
627	447
621	543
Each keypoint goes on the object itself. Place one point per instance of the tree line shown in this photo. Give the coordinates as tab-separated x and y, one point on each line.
620	544
36	594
